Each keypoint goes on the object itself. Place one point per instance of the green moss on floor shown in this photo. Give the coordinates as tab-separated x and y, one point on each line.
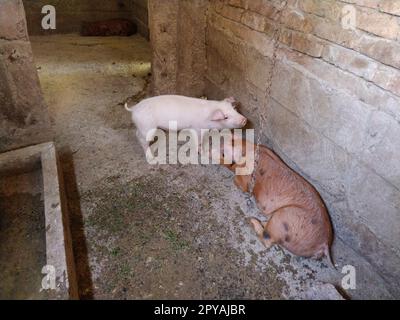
156	242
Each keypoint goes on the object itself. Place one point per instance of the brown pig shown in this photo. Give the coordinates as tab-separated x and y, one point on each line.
112	27
299	220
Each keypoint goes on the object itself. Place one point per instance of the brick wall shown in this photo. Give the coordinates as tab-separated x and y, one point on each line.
335	109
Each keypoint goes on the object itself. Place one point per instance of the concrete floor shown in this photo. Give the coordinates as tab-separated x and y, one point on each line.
142	231
22	236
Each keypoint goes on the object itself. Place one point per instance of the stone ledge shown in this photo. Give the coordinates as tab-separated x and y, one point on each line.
58	239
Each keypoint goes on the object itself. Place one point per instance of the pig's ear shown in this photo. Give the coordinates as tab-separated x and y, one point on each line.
218	116
231	100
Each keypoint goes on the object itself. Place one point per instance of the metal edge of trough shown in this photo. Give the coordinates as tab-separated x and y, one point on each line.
59	252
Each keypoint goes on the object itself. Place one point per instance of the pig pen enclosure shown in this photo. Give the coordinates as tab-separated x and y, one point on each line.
324	97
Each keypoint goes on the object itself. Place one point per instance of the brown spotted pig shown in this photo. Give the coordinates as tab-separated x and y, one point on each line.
299	220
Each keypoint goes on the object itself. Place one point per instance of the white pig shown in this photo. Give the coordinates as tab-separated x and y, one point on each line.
189	113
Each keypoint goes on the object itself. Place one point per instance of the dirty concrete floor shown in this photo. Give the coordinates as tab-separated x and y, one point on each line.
147	232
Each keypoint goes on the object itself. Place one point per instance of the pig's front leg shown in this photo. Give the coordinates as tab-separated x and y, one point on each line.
142	140
260	229
200	140
145	142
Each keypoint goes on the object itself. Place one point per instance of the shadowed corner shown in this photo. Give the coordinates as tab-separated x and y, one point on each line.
83	273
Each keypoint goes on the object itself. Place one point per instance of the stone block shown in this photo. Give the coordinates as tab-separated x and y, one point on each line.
13	22
378	23
389	6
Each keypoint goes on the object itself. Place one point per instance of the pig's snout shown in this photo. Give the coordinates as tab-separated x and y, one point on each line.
239	121
243	121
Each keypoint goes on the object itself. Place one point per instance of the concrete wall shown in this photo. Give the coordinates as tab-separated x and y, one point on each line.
24	118
191	43
71	13
140	16
334	115
163	25
178	38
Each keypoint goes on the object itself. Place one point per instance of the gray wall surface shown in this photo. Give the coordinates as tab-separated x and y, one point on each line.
71	13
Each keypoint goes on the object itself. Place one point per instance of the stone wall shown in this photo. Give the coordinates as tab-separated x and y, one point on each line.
334	111
24	118
71	13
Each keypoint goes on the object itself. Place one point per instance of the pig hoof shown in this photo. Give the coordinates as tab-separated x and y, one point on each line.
267	243
257	226
150	157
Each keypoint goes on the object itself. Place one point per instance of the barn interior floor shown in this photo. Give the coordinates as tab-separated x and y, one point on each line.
142	231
